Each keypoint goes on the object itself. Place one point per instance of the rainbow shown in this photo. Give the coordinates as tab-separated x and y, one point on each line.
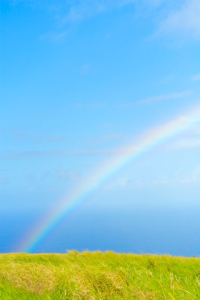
142	144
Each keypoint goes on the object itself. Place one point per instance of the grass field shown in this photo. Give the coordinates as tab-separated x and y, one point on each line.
97	275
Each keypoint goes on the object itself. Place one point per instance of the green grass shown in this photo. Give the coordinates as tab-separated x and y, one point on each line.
97	275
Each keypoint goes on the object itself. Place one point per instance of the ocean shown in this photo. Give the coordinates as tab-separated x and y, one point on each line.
156	230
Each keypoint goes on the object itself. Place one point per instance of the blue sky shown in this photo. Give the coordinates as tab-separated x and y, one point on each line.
81	79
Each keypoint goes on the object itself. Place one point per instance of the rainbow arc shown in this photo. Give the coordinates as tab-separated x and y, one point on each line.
70	203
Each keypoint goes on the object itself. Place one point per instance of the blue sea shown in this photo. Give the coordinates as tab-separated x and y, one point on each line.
141	228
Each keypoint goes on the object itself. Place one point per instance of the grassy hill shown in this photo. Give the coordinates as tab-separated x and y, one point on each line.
98	275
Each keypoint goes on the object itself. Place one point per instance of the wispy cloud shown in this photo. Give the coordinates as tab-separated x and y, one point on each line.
53	177
4	181
80	10
83	10
85	69
58	153
196	77
170	17
67	175
182	19
124	183
94	105
164	80
190	140
149	100
191	178
38	138
110	140
31	178
165	97
108	137
187	144
55	36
